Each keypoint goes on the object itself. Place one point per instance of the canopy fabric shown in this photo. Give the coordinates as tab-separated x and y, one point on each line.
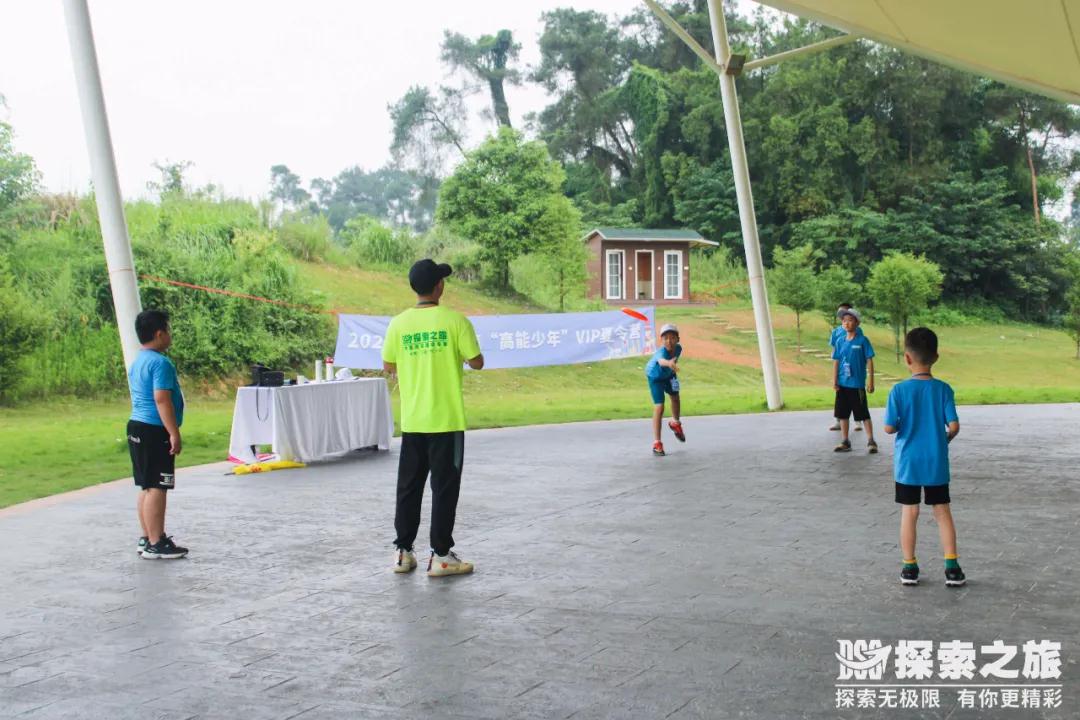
1033	44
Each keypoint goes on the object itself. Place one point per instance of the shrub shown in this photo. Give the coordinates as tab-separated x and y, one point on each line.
715	272
372	243
307	237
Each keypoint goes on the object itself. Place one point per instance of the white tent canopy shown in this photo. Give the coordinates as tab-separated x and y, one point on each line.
1033	44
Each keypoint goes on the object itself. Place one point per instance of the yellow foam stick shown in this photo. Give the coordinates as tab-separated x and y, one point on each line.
266	466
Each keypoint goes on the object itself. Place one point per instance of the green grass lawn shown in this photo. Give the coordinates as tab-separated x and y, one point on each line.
61	445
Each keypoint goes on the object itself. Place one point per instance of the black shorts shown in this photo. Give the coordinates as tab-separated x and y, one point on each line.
151	463
851	401
935	494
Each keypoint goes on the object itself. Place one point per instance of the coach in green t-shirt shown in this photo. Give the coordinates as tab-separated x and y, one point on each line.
427	346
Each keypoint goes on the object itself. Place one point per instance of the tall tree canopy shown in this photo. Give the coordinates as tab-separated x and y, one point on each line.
507	197
488	60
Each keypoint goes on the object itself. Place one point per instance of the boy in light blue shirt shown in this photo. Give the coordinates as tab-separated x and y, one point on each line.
153	431
839	332
921	412
662	372
853	377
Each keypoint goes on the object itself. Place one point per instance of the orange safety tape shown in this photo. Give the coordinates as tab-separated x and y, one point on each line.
232	293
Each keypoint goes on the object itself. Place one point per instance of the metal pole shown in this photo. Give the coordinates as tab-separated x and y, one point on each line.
751	245
686	37
114	233
799	52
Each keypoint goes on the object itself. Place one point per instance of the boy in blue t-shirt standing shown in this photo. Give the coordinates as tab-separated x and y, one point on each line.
921	411
837	333
662	371
153	432
853	377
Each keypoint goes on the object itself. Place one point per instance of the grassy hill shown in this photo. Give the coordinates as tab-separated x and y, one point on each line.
999	363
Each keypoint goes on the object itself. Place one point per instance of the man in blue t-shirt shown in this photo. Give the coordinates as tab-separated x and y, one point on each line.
837	333
662	372
921	411
853	377
153	431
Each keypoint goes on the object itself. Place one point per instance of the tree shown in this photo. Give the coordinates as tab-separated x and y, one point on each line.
426	126
705	198
507	197
566	262
835	286
19	327
983	241
285	188
902	285
583	60
487	59
18	174
18	181
1032	122
389	193
1071	319
171	183
793	283
1072	316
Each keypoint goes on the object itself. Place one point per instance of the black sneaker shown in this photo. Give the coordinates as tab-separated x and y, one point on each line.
164	549
954	577
143	543
871	447
909	575
843	447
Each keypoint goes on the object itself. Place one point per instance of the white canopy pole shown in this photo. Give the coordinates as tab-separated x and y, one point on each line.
747	218
114	233
799	52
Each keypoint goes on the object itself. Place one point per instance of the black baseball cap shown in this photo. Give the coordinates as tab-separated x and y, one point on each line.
425	274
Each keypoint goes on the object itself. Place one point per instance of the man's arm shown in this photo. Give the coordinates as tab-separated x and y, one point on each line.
870	375
835	374
163	400
890	429
476	363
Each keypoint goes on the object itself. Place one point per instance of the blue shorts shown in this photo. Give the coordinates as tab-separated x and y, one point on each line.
657	388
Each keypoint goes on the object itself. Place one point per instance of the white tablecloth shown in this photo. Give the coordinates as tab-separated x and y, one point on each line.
312	422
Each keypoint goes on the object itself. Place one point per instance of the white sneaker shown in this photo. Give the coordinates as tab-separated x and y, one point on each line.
858	427
404	561
448	564
834	427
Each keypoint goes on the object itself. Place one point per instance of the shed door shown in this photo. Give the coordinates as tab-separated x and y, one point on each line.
644	262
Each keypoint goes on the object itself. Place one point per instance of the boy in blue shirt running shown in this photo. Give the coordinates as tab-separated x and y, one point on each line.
662	371
921	412
834	337
853	377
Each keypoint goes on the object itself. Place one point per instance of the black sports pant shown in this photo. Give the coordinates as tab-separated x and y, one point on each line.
441	454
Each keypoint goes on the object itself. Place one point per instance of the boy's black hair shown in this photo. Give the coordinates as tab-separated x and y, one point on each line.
922	343
149	322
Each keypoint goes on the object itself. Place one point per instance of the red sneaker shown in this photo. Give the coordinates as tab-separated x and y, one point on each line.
658	449
676	427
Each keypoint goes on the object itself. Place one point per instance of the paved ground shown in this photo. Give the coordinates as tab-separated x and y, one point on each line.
713	583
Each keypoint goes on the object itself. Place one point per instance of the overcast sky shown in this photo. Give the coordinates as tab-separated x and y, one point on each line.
237	86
